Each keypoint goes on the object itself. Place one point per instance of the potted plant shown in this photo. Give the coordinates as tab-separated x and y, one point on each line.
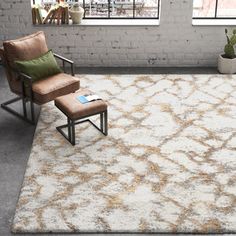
227	61
76	13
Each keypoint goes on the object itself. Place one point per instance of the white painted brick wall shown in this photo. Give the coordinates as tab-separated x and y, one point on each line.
174	43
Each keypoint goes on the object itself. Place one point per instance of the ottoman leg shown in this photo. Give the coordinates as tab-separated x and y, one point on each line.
69	128
72	132
105	123
70	135
102	122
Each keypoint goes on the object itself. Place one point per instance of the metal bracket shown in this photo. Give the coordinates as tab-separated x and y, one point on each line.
24	117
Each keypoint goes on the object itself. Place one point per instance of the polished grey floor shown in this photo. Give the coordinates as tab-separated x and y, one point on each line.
16	139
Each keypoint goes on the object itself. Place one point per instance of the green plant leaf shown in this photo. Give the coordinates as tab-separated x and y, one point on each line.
229	51
233	39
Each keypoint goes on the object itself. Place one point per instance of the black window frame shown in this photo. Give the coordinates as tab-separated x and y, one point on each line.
119	18
215	17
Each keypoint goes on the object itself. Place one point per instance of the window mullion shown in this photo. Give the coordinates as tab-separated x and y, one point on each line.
133	8
84	7
216	8
109	3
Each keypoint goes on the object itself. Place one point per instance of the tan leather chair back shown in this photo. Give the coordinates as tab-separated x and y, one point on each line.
8	72
25	48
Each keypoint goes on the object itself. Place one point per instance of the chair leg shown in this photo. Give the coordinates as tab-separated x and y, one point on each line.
32	112
24	107
23	99
24	117
31	103
72	70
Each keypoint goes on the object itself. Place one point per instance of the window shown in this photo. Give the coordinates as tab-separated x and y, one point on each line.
214	9
112	9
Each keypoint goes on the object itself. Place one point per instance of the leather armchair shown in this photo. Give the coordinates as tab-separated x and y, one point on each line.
39	92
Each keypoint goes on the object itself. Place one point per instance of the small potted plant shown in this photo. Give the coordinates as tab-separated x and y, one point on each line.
76	13
227	61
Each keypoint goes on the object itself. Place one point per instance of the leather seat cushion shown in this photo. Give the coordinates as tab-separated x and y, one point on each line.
48	89
76	110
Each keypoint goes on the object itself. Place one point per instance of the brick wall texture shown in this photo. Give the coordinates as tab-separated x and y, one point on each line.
175	42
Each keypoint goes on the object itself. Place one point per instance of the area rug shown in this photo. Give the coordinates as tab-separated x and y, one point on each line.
168	164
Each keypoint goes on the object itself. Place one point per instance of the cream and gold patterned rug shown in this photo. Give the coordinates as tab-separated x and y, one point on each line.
167	165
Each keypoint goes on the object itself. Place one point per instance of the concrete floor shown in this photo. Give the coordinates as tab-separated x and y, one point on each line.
16	138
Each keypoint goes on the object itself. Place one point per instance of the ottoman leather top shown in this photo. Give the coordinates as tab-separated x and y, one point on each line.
76	110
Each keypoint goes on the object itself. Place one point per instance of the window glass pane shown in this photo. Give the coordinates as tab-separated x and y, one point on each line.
122	8
204	8
96	8
146	8
226	8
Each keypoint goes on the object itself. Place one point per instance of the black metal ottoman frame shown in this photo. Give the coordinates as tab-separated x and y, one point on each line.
71	125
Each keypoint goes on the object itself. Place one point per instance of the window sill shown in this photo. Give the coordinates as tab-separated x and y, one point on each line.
120	22
212	22
114	22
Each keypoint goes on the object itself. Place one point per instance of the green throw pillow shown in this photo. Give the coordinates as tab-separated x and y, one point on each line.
39	68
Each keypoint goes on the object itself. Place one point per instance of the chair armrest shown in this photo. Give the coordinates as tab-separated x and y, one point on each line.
65	60
25	77
22	76
25	80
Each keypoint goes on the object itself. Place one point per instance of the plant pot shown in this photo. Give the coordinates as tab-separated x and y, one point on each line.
76	16
226	65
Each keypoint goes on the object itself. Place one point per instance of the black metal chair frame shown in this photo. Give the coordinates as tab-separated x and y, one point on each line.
27	80
72	122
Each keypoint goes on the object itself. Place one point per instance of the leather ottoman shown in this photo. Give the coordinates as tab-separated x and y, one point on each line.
76	113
